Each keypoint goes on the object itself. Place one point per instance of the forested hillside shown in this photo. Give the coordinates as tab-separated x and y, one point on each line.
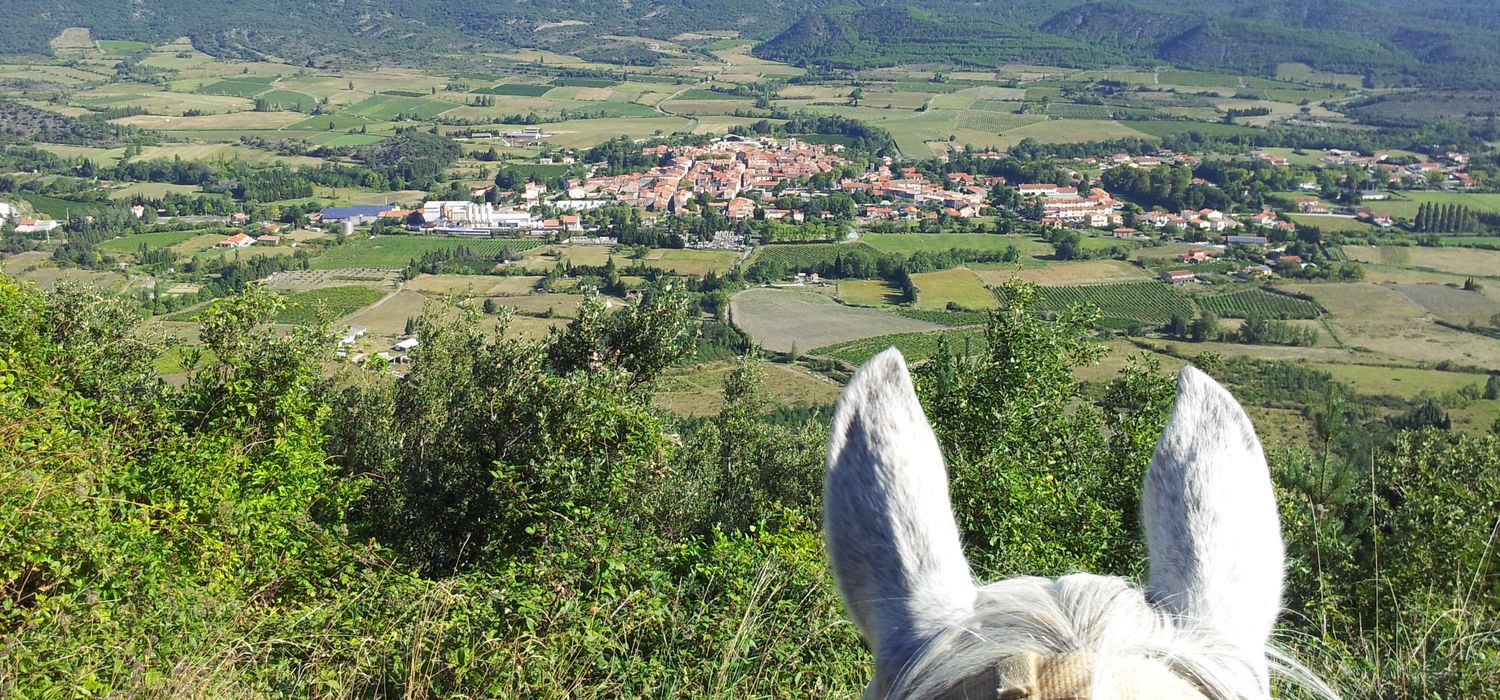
1447	43
1392	44
512	519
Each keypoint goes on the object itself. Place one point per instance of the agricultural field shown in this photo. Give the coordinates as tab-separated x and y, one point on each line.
1379	320
908	243
868	293
698	390
1260	302
1403	382
1066	273
1404	204
1453	304
398	251
1332	223
779	319
1456	261
314	306
937	290
692	262
1144	302
152	241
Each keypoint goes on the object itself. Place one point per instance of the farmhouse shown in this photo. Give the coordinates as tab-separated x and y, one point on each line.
238	240
1178	276
36	225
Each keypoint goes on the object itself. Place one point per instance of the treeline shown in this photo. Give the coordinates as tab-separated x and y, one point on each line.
1254	330
1433	217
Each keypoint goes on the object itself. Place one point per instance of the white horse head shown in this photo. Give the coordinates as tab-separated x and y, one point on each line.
1201	629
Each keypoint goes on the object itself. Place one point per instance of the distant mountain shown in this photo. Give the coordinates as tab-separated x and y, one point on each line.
1394	42
1442	42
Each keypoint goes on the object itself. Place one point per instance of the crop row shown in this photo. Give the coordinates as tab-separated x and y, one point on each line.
1259	302
1147	302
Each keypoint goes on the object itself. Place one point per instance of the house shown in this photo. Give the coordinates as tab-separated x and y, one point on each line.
268	240
1289	261
357	214
1196	255
137	210
351	335
739	208
571	222
405	345
1178	276
1255	271
238	240
36	225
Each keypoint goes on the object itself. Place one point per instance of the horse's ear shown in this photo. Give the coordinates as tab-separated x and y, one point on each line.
889	526
1210	519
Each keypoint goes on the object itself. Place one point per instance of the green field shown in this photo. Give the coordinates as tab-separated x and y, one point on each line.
868	293
1146	302
692	262
313	306
1259	302
908	243
936	290
57	208
1334	224
244	86
387	107
516	89
389	252
152	241
289	100
1404	205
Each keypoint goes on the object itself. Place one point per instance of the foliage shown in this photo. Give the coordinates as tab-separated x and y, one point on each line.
511	519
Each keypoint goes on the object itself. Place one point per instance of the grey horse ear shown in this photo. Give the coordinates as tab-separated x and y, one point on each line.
888	523
1210	517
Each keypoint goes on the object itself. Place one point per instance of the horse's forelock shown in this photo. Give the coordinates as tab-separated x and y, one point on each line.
1133	649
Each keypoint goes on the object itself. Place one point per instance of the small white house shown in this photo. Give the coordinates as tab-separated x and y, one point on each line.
405	345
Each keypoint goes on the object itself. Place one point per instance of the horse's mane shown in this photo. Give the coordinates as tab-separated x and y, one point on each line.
1200	629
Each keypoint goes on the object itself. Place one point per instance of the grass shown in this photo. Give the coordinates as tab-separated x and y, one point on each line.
868	293
936	290
1400	381
1457	261
777	319
908	243
1331	223
692	262
152	241
1404	204
313	306
516	89
1379	321
1451	304
398	251
387	107
1066	273
56	208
